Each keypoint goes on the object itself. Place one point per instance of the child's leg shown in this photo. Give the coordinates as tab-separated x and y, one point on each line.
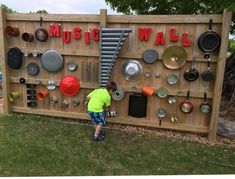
97	130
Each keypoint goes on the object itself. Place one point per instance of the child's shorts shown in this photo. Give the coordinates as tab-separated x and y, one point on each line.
97	118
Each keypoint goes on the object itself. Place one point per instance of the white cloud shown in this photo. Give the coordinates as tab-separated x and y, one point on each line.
59	6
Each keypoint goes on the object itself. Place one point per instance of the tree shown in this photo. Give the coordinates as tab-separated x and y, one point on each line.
7	9
173	7
42	12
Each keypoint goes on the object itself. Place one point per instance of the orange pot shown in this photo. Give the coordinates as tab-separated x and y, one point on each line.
42	94
148	91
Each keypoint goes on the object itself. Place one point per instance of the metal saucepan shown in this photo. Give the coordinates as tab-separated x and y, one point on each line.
191	74
161	114
205	107
209	41
186	106
41	33
207	75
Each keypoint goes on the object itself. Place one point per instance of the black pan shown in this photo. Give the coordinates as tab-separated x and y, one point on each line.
191	74
207	75
209	41
41	34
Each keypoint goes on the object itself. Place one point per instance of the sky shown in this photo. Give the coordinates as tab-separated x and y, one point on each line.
59	6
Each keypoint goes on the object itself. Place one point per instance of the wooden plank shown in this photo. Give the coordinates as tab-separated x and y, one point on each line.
53	17
219	75
111	120
87	85
103	17
3	56
163	19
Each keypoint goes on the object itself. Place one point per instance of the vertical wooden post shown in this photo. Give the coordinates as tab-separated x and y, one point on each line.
5	73
103	17
219	75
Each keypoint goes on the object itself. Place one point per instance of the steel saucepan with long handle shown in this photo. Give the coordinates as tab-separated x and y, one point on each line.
205	107
41	33
186	106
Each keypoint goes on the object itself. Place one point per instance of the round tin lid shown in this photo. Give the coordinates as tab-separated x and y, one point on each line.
33	69
52	60
150	56
118	95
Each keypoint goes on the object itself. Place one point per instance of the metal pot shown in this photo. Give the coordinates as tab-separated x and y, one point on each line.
41	34
209	41
191	74
186	106
207	75
131	70
205	107
161	114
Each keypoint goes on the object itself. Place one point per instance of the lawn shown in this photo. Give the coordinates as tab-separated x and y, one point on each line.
41	146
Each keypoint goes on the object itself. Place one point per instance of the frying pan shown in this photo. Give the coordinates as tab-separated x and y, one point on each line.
191	74
41	34
209	41
186	106
161	114
207	75
205	107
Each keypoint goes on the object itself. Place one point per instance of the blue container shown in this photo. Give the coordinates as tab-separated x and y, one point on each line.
0	76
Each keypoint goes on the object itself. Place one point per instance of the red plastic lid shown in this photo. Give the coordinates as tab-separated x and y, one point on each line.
69	85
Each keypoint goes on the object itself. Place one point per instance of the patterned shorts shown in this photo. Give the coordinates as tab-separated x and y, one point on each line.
97	118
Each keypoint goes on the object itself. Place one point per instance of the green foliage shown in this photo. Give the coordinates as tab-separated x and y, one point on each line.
7	9
173	7
44	146
231	46
42	12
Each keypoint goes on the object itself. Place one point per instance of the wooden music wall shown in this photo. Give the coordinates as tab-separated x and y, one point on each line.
75	40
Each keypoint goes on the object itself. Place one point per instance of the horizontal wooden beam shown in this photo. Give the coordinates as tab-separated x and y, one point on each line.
164	19
85	85
129	121
78	18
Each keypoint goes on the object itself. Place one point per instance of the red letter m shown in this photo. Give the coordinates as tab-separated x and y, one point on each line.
144	33
55	30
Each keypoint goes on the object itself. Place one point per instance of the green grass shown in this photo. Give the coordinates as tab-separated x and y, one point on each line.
37	146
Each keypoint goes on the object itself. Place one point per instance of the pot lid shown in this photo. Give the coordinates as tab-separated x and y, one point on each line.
162	92
52	60
171	100
69	85
174	118
33	69
172	79
150	56
131	70
174	57
118	95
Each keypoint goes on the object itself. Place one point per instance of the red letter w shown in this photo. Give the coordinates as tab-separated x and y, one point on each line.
144	33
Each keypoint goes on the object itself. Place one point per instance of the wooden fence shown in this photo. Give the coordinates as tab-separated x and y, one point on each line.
85	52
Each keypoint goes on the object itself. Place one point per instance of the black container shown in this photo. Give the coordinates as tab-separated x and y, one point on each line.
137	105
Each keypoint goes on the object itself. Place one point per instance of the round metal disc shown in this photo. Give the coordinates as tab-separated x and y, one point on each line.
172	79
52	61
174	57
118	95
162	92
72	66
150	56
33	69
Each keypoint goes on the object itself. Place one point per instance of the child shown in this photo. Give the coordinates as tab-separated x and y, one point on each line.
96	102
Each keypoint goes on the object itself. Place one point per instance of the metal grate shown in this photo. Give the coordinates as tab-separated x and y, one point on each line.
111	42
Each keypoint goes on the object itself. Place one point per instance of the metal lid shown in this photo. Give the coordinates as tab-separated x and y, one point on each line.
174	57
150	56
172	79
52	60
118	95
162	92
33	69
131	70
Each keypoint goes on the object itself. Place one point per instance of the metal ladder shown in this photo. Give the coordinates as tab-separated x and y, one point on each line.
111	42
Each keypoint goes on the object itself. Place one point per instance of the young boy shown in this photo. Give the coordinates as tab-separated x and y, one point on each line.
97	102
